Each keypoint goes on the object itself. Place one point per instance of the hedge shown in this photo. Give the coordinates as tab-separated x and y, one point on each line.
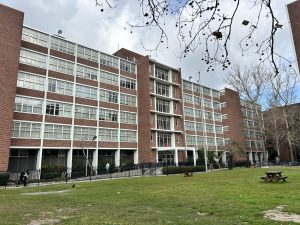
3	179
182	169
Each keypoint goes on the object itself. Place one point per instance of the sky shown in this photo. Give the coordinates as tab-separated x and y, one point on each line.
82	22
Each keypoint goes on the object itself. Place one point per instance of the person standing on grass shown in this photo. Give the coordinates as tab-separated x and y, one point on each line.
107	167
21	177
26	175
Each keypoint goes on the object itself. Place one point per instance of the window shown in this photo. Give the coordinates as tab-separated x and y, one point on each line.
60	87
208	115
188	98
33	59
164	139
109	60
250	123
163	122
55	131
207	103
35	37
108	115
84	133
215	94
199	127
30	81
127	83
86	92
225	128
86	72
129	100
108	96
218	117
224	117
109	78
127	117
127	66
162	73
189	125
59	109
109	135
211	141
26	130
220	142
209	128
61	66
162	89
200	140
219	129
187	85
162	105
197	100
190	140
196	88
62	45
127	136
85	112
87	53
28	105
223	104
206	91
244	112
250	114
188	112
217	105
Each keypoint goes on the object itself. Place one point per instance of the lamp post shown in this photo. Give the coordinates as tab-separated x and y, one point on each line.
203	122
87	162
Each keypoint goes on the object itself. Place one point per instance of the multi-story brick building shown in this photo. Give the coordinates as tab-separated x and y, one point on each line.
59	97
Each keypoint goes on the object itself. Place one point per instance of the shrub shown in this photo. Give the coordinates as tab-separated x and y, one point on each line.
243	163
182	169
4	177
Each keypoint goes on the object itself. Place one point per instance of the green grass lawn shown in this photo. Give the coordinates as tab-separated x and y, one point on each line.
222	197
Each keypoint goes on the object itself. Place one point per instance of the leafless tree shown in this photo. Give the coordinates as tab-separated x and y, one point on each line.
251	83
282	96
207	26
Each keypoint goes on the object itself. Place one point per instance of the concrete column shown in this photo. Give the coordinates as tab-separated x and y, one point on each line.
194	156
117	157
39	159
224	158
176	156
156	156
95	161
256	156
69	161
250	157
186	154
136	157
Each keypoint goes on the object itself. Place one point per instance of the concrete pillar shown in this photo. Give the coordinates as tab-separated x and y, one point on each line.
136	157
256	156
117	157
224	161
176	156
95	161
39	159
194	156
156	156
250	157
69	161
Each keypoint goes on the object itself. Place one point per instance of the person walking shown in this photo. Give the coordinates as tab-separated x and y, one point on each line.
107	167
25	178
21	177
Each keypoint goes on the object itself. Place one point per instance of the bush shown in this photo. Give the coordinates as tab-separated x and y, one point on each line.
4	177
182	169
243	163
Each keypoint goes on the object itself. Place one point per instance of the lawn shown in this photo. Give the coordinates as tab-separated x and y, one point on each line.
222	197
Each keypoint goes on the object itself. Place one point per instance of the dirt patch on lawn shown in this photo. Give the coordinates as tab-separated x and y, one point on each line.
45	193
44	222
277	215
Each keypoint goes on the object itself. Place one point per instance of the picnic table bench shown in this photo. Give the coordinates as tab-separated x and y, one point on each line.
274	175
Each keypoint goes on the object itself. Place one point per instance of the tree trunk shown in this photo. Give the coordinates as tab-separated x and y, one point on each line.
288	136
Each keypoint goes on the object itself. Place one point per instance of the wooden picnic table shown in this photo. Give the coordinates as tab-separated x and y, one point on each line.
273	175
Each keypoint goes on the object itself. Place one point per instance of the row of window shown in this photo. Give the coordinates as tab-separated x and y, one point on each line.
199	127
56	131
67	47
187	98
66	88
198	114
30	105
63	66
194	140
197	88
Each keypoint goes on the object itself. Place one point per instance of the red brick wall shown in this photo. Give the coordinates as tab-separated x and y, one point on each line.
11	23
293	10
